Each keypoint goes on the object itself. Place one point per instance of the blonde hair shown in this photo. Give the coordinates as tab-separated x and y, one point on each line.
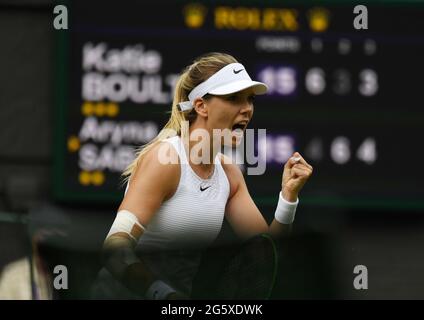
199	71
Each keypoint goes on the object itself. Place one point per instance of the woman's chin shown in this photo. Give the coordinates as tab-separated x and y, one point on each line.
232	140
235	142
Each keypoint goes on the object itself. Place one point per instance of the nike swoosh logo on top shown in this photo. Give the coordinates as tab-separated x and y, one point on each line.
237	71
201	189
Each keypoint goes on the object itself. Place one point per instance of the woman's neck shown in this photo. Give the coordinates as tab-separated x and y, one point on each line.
202	150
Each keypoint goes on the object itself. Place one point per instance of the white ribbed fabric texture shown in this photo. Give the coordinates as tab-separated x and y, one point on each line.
191	218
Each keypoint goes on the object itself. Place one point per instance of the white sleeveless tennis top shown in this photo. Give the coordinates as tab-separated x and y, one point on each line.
193	216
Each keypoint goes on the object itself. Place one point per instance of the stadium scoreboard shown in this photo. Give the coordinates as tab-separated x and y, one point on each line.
350	101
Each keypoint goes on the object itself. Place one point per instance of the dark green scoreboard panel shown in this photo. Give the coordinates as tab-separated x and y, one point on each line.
349	100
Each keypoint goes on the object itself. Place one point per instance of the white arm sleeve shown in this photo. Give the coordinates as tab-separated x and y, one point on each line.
127	222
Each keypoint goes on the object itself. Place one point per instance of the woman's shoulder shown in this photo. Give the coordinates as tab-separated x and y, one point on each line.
152	182
162	155
159	166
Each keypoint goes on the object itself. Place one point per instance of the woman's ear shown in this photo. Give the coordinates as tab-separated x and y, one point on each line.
200	107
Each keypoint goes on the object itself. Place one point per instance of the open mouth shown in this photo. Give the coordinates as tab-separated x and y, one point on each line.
238	129
239	126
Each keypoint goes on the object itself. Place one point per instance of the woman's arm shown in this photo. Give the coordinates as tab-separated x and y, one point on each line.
152	183
242	213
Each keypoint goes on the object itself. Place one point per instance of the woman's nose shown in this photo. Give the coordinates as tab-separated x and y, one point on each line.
247	107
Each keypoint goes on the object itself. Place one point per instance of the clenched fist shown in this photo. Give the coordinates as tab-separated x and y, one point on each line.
296	172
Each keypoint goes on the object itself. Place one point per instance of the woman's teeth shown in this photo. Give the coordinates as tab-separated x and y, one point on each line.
238	133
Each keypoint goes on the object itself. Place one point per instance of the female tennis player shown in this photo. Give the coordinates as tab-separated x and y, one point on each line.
173	205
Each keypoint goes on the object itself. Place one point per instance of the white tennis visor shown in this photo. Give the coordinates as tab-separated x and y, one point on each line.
232	78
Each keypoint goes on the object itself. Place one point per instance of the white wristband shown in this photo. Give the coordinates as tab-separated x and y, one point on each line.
285	211
158	290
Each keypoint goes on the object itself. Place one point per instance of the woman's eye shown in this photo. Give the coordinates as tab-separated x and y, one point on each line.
236	98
